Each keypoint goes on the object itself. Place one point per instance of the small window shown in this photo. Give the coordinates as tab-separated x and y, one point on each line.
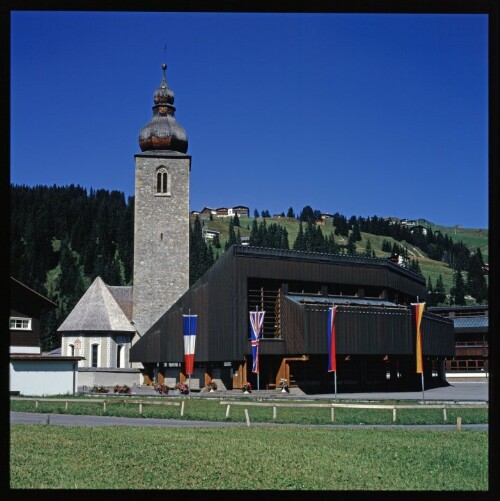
71	350
119	350
95	355
20	324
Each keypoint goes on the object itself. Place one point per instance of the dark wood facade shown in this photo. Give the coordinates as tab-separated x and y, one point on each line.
246	277
471	328
25	303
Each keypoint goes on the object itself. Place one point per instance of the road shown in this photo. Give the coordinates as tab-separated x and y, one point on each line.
80	420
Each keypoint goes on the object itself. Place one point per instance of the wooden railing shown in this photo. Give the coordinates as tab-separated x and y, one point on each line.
104	402
333	406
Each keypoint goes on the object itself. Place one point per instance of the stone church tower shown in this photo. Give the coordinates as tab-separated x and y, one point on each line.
161	227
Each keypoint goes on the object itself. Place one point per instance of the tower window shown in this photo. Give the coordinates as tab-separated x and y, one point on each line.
162	181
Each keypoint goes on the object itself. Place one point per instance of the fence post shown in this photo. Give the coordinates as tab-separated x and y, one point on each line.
332	413
445	417
274	412
227	410
66	405
182	408
394	414
140	407
247	417
36	404
459	423
104	406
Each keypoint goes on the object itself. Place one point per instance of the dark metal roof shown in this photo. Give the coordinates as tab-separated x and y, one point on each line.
341	259
347	300
470	323
455	309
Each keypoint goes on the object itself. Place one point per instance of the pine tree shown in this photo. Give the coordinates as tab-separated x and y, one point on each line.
290	213
431	296
307	215
351	246
231	236
255	213
440	291
356	234
476	282
368	248
236	220
300	244
458	290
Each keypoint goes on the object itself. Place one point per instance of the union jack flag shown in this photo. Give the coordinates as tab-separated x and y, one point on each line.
332	342
256	322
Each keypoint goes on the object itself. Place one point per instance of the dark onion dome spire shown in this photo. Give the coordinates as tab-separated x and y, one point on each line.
163	132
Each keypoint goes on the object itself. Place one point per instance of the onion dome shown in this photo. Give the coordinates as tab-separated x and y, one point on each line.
163	132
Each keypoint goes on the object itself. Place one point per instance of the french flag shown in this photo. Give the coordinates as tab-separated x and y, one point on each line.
189	327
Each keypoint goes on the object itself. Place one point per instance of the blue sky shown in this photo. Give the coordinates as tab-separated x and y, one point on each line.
361	114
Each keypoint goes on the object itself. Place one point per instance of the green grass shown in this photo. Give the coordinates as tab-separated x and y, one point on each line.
212	410
58	457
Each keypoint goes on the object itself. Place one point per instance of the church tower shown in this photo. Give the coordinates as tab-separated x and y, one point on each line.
161	226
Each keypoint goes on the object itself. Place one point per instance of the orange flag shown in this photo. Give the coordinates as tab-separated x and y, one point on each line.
419	310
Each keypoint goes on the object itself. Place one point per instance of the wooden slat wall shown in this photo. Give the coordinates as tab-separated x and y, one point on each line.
220	300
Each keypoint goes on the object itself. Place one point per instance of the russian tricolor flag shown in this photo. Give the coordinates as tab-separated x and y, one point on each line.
189	327
332	349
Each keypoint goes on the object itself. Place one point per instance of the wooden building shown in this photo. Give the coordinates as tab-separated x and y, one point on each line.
375	326
471	337
26	307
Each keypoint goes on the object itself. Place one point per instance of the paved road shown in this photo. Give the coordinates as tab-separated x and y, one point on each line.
71	420
456	392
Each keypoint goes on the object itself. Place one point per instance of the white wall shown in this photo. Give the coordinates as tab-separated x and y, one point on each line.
41	377
25	349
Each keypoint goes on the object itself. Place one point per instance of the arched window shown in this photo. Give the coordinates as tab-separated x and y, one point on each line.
71	350
162	181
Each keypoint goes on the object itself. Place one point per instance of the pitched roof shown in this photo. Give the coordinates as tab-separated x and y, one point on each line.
98	310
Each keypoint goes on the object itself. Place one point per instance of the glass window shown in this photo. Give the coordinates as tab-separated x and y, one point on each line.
119	349
23	324
162	181
95	354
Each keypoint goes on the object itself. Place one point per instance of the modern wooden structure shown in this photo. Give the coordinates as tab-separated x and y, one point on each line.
471	337
375	326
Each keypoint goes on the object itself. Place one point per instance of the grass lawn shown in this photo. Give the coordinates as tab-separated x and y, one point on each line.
58	457
201	409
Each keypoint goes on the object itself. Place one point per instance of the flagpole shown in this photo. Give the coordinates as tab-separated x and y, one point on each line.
335	376
189	375
258	366
423	392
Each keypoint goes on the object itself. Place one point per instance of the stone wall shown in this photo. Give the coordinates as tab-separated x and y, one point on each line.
161	236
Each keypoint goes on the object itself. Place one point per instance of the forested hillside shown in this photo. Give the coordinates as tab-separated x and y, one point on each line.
64	237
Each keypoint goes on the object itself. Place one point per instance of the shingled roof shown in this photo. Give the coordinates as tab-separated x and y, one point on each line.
99	309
